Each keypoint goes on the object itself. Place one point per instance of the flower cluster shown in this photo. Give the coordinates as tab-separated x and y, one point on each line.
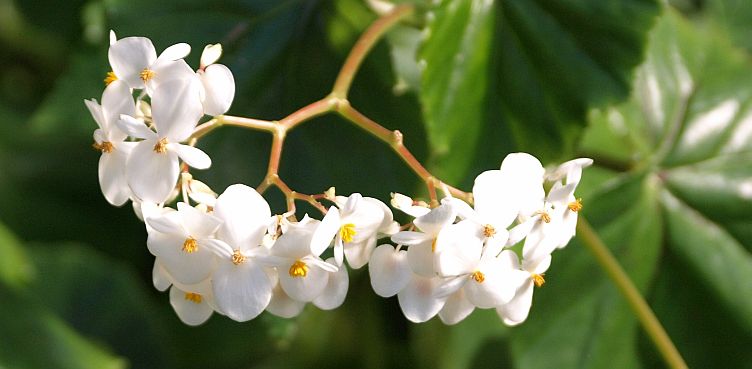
171	100
228	253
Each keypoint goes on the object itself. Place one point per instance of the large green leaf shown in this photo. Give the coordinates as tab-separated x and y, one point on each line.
15	267
456	54
687	128
520	75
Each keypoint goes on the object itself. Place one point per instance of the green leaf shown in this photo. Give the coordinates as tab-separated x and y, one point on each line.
687	129
34	337
15	268
556	59
456	54
520	75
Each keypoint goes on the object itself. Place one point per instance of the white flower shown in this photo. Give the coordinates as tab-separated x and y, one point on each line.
116	100
303	275
354	226
420	253
182	240
152	168
217	81
486	280
134	60
192	303
531	274
242	288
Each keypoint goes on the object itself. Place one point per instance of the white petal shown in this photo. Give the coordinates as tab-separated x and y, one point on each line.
166	71
515	311
96	112
528	175
112	179
418	301
186	268
129	56
192	156
295	243
456	309
175	52
282	305
168	223
113	37
117	100
358	254
458	249
405	204
159	277
305	288
326	231
211	54
152	176
219	89
188	310
497	287
387	218
409	238
436	219
241	291
134	127
245	214
336	289
421	259
496	197
198	223
176	108
389	270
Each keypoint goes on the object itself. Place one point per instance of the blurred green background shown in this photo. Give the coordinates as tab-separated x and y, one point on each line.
659	94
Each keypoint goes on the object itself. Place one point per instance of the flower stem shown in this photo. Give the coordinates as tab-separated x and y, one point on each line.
364	44
624	284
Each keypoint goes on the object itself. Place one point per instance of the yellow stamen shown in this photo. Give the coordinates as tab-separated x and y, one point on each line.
105	147
575	205
298	269
146	74
545	217
538	279
190	246
478	276
161	146
111	77
193	297
489	230
347	232
237	257
433	245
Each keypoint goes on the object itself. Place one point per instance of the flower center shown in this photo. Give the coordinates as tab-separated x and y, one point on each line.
478	276
575	205
347	232
489	230
105	147
538	279
193	297
111	77
190	246
161	146
298	269
237	257
146	74
545	217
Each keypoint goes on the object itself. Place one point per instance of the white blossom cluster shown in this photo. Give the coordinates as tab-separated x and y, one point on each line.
229	254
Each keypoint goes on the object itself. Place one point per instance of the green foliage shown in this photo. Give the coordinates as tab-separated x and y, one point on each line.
466	81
